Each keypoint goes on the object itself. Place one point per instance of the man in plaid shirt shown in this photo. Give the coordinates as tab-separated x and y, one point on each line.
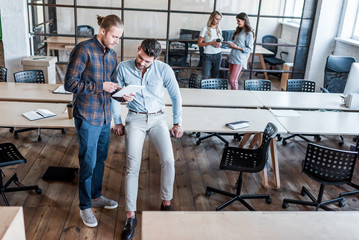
91	77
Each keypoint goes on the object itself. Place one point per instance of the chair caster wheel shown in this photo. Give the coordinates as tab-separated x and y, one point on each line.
342	203
39	139
340	144
285	205
198	142
198	134
16	135
38	191
279	138
284	142
302	192
317	138
63	131
237	137
208	193
11	130
268	200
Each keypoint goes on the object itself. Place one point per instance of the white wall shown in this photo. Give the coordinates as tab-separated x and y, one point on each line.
322	44
345	49
15	34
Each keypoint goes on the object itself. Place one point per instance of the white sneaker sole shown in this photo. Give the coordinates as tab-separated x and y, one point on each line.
111	207
90	224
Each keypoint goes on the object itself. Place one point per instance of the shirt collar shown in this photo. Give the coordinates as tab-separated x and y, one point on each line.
100	46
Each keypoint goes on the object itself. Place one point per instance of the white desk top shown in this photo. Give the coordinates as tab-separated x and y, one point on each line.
11	115
12	223
328	123
197	119
216	98
301	100
31	92
249	225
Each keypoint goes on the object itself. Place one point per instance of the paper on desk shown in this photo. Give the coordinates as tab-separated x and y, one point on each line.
128	90
61	89
285	113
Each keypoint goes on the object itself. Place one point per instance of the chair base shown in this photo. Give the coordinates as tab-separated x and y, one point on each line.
4	187
240	198
302	136
352	192
317	203
63	131
236	136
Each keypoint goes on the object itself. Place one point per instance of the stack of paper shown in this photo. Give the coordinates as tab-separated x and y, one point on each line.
237	125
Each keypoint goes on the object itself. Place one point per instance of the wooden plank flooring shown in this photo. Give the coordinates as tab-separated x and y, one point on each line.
55	213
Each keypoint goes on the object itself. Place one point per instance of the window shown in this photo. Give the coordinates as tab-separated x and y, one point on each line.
293	8
349	26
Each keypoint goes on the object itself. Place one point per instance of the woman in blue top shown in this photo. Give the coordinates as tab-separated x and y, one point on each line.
210	38
241	46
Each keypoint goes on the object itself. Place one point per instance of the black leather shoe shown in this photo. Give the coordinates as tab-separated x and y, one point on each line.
166	208
129	230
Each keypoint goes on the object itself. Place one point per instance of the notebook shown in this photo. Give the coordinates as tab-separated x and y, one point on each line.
38	114
237	125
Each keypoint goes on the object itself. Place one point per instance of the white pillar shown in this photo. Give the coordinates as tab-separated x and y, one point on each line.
15	34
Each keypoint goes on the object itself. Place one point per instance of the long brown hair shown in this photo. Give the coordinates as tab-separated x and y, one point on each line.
247	25
109	21
209	24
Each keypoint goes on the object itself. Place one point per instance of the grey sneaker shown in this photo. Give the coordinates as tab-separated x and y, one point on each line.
88	217
104	203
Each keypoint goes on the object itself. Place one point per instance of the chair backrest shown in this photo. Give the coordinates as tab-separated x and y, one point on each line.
30	76
214	83
177	55
257	85
300	85
85	31
195	80
3	74
336	72
270	39
9	155
328	165
255	159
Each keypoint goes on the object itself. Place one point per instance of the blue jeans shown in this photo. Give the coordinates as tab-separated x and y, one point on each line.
211	63
94	143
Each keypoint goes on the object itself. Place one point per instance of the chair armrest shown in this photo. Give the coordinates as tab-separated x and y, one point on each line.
283	52
324	90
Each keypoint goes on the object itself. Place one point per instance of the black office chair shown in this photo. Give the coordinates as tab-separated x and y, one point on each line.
195	80
245	160
3	74
177	57
10	155
32	76
214	83
3	78
39	45
257	85
300	85
336	73
271	59
328	166
85	31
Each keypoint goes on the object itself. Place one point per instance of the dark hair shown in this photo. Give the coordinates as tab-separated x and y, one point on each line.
151	47
247	25
109	21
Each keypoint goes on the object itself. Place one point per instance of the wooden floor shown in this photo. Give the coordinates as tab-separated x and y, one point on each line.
55	213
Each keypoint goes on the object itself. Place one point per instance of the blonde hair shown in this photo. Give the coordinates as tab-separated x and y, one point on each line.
109	21
209	24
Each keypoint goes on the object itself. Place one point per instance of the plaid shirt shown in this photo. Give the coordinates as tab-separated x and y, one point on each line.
90	65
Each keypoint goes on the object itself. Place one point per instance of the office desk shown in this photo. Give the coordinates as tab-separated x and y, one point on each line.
11	115
249	225
31	92
301	100
326	123
197	119
61	43
12	223
216	98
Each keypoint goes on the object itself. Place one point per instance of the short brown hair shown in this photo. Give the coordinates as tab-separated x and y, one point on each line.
109	21
151	47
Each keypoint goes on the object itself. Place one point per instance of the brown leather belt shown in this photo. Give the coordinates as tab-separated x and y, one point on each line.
158	112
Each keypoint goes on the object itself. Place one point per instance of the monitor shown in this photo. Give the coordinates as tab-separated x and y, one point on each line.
352	84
